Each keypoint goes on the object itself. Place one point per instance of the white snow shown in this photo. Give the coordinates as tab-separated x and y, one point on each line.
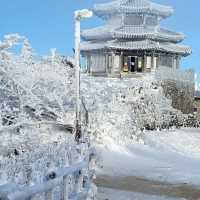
118	110
111	194
36	106
171	156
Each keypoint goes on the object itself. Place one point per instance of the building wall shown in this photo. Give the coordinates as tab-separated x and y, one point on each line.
113	62
97	63
116	69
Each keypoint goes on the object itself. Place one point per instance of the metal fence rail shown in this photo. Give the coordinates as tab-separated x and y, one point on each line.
60	178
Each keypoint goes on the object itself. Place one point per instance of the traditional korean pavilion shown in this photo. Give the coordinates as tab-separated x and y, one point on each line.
131	41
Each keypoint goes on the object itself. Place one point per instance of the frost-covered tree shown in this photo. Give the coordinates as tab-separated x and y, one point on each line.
27	52
36	102
42	88
121	110
179	86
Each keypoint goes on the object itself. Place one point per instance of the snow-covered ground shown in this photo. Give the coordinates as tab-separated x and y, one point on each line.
165	160
171	156
111	194
118	109
33	91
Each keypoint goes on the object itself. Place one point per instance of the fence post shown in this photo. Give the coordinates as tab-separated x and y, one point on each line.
80	181
49	195
65	187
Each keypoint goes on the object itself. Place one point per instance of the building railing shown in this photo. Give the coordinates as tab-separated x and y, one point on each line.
60	178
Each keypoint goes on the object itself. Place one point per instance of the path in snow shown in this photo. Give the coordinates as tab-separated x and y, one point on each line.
112	194
149	187
167	165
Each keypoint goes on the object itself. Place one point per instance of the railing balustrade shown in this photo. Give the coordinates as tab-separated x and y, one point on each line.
60	178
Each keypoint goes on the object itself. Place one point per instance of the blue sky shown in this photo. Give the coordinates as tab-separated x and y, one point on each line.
49	23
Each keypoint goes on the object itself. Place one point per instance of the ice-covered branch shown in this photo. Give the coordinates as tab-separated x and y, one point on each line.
44	85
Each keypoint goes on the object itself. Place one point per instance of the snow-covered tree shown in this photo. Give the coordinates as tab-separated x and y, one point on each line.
40	85
36	102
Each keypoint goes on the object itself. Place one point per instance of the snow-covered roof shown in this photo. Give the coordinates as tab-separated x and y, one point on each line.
131	32
132	6
138	45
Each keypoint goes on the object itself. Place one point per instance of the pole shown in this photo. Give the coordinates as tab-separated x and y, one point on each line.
77	69
78	15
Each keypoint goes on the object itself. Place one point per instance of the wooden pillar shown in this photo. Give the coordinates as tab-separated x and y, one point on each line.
152	61
145	61
158	61
174	60
65	188
121	61
106	62
87	63
178	62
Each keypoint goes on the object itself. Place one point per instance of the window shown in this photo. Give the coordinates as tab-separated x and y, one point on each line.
166	61
98	63
135	20
151	20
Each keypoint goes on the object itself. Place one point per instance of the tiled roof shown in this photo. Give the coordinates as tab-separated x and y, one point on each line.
132	6
138	45
131	32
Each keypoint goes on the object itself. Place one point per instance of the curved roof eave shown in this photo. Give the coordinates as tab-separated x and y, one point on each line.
106	33
152	45
137	6
142	45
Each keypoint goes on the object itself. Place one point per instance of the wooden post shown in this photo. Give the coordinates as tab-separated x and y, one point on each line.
152	61
80	182
174	62
178	61
145	61
66	188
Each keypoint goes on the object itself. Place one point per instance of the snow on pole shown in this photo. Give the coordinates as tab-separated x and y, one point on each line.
78	15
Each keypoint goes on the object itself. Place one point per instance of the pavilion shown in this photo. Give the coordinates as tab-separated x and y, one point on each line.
131	40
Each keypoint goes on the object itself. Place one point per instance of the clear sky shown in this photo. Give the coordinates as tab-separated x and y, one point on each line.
49	23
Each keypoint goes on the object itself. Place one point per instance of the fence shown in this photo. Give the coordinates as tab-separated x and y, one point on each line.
60	178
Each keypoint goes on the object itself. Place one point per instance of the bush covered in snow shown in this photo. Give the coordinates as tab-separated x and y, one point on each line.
36	105
31	88
122	109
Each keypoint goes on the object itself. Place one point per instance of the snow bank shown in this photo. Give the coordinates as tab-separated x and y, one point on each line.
167	156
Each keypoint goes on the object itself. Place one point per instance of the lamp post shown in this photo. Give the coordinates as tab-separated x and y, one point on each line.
78	15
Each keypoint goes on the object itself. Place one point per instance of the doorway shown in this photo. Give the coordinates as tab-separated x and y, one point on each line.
132	63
